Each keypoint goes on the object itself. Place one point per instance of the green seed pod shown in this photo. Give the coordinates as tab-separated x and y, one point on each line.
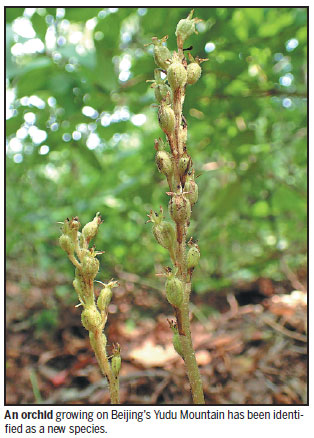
104	298
90	267
166	118
184	164
164	163
174	291
165	234
192	188
116	364
194	71
163	92
66	244
176	75
71	225
91	318
79	286
161	53
193	256
74	226
90	229
176	343
179	208
83	290
163	231
186	27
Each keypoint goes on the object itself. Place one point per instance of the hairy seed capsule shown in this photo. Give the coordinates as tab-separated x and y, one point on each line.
90	267
166	118
184	164
163	92
179	208
104	299
192	188
79	286
161	53
90	229
91	318
194	71
174	291
66	244
193	257
177	344
165	234
186	27
176	75
164	163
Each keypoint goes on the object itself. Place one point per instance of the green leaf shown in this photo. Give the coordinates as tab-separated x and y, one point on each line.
39	25
34	79
13	13
81	14
14	123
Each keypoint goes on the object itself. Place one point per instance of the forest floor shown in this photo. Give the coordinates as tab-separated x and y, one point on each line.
252	350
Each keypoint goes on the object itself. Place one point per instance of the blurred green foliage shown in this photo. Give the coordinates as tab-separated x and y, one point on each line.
81	129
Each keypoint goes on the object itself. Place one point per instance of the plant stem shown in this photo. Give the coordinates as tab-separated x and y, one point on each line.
188	351
183	195
93	317
100	351
183	321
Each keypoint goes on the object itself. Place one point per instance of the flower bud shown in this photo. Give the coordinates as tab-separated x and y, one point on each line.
90	267
90	229
163	92
82	288
176	75
75	224
66	243
193	256
177	343
91	318
179	208
161	53
194	71
191	188
79	286
165	234
184	164
104	298
186	27
164	163
192	191
176	338
166	118
163	231
174	291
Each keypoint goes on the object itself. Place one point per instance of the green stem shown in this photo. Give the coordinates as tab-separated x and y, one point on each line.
188	352
100	351
183	321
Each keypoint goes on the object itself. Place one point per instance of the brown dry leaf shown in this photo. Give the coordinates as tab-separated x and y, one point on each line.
151	355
